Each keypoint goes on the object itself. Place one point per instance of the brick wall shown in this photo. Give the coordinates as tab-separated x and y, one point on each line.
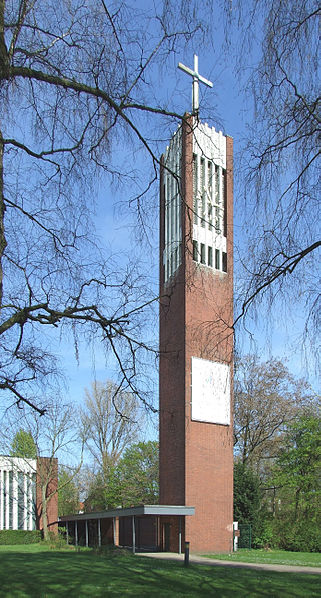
196	313
47	468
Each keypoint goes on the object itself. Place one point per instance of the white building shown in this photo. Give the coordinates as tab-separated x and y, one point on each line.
18	493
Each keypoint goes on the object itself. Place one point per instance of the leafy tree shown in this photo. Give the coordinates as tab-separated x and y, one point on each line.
133	481
267	398
110	420
298	468
96	493
250	505
23	445
247	494
297	483
103	491
68	491
137	474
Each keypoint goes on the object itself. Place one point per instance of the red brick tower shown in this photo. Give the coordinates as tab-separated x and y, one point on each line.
196	336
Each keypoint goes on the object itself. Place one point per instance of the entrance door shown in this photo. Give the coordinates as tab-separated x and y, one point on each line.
167	536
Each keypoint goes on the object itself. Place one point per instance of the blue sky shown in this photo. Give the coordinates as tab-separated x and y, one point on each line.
225	107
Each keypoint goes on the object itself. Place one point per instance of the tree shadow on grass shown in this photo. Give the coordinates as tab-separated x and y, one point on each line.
72	574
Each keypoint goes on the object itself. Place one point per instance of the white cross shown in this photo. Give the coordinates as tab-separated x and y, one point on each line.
196	78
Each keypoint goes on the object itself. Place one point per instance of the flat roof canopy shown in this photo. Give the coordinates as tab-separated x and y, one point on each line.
131	511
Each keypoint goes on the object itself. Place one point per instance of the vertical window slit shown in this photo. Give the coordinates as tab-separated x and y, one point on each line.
224	261
195	251
202	253
217	259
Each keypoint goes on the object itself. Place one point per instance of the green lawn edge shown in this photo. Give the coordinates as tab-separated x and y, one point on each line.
270	557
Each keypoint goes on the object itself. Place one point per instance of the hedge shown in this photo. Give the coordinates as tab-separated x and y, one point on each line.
19	536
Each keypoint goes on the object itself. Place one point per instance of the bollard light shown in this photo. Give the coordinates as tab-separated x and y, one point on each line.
186	559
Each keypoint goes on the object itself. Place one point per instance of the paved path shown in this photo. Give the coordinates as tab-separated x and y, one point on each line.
194	558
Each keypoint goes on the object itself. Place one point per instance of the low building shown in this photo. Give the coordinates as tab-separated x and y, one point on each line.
144	527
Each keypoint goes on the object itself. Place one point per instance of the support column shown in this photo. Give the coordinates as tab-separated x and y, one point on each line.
180	535
67	533
86	527
134	534
99	532
76	533
116	531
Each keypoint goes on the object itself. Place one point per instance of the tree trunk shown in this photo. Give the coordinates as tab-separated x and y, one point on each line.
296	504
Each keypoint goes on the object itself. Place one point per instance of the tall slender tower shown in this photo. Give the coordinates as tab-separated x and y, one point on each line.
196	335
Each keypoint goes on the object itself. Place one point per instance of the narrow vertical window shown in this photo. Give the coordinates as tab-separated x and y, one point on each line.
209	179
217	220
168	233
10	499
195	185
29	502
203	209
210	194
217	184
4	500
195	251
203	192
210	215
210	256
34	500
224	193
224	261
217	259
166	225
202	174
21	500
202	253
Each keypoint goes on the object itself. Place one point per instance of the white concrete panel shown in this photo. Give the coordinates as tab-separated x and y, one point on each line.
210	391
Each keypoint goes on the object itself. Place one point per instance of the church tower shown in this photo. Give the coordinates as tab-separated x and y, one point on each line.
196	334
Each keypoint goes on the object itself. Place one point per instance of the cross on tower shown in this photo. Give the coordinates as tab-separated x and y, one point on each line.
196	78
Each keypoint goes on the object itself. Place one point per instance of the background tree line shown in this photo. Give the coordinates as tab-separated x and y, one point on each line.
277	472
103	460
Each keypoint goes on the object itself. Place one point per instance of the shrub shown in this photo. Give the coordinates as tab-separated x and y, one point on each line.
57	541
301	536
264	537
19	536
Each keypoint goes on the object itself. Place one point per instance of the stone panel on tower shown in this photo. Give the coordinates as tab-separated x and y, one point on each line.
196	334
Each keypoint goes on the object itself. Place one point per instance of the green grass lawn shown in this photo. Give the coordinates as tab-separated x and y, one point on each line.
35	571
271	557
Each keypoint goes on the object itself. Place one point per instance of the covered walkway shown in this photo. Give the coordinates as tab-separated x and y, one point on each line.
146	527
